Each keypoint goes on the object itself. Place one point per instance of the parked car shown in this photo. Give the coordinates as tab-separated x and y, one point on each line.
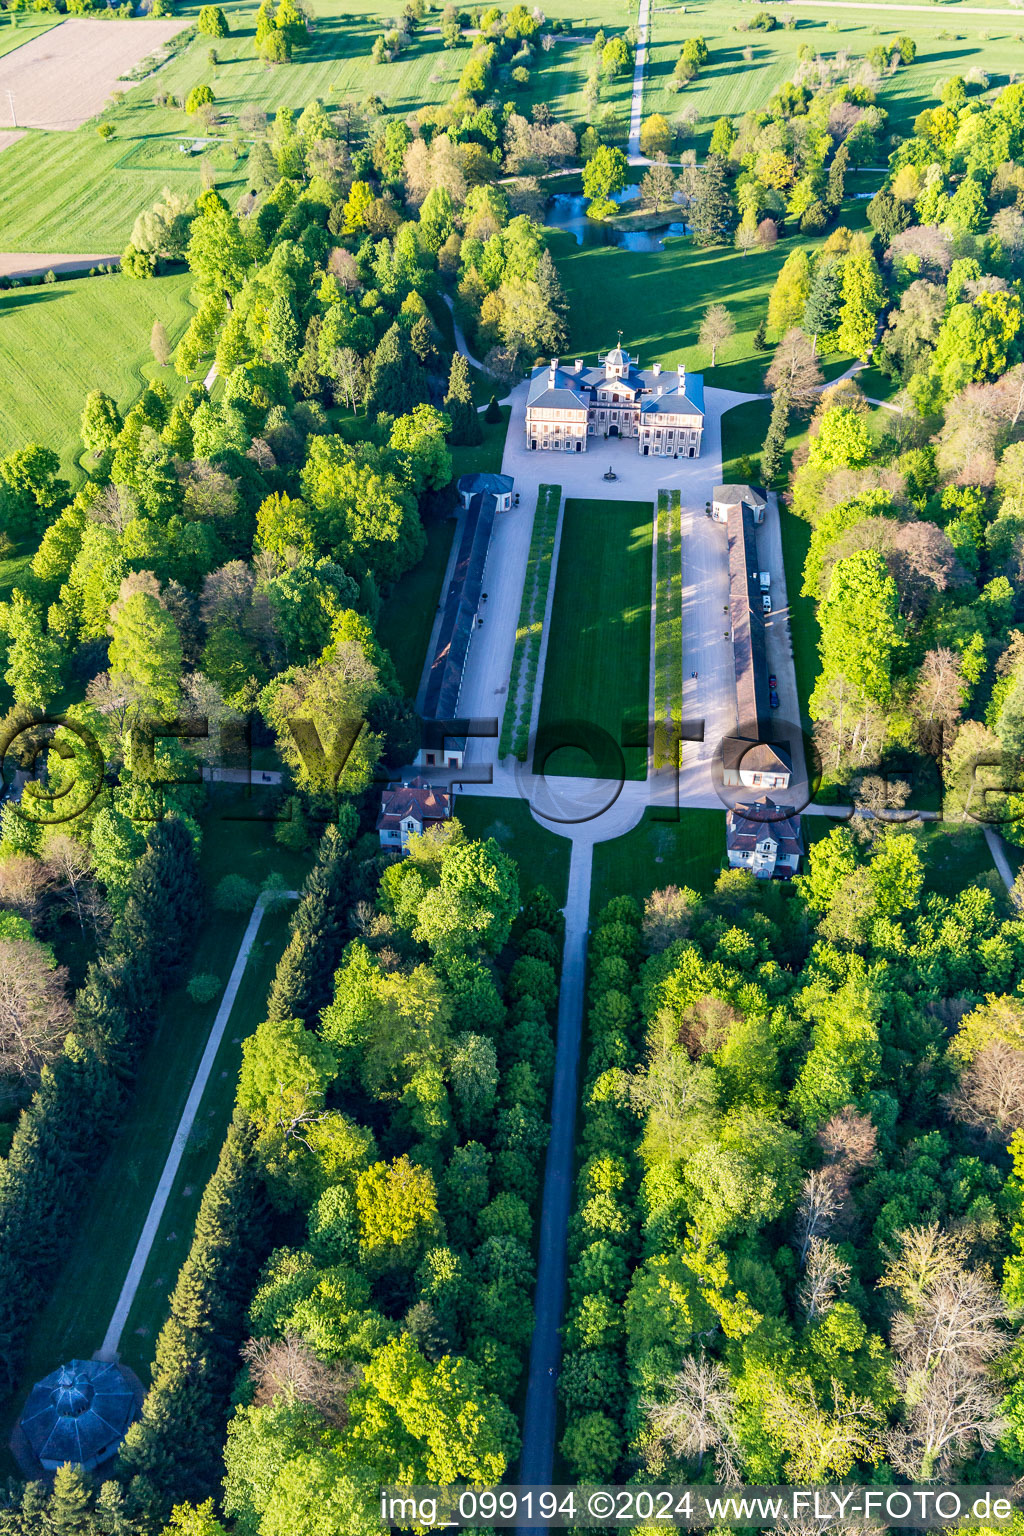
765	580
766	602
773	699
773	681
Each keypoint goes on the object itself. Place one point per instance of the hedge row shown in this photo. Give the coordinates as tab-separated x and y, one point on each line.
515	725
63	1134
668	631
603	1233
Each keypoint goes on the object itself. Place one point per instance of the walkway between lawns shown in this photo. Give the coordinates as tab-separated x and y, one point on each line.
72	1322
109	1348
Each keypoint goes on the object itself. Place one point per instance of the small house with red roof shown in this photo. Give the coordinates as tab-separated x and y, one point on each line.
407	809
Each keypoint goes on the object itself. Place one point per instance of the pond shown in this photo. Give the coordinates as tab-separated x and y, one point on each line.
568	211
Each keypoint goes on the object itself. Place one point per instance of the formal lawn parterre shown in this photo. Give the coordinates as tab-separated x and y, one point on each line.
668	847
597	672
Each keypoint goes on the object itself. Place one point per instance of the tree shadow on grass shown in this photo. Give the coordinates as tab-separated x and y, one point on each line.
14	298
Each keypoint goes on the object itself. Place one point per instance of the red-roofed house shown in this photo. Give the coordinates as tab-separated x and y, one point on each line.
410	808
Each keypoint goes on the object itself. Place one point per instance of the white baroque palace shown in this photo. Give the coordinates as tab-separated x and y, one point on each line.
663	410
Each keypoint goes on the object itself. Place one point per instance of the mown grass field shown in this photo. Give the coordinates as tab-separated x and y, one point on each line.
59	341
599	648
75	192
688	850
728	85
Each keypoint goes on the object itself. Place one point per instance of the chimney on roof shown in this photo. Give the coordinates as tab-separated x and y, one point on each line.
682	375
656	370
661	389
579	365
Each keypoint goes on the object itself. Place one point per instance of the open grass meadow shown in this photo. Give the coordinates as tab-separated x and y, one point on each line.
950	42
598	664
542	856
60	340
667	847
75	1318
73	192
658	299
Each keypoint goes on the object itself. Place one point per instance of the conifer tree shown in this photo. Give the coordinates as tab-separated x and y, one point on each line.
821	312
712	215
458	404
836	190
775	438
68	1512
397	381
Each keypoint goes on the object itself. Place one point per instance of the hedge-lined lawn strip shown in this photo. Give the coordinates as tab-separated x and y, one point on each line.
59	341
515	725
668	629
660	851
598	662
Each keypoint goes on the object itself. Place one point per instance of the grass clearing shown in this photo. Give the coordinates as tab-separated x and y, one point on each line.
60	340
597	671
666	848
542	856
515	725
658	300
668	629
407	613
